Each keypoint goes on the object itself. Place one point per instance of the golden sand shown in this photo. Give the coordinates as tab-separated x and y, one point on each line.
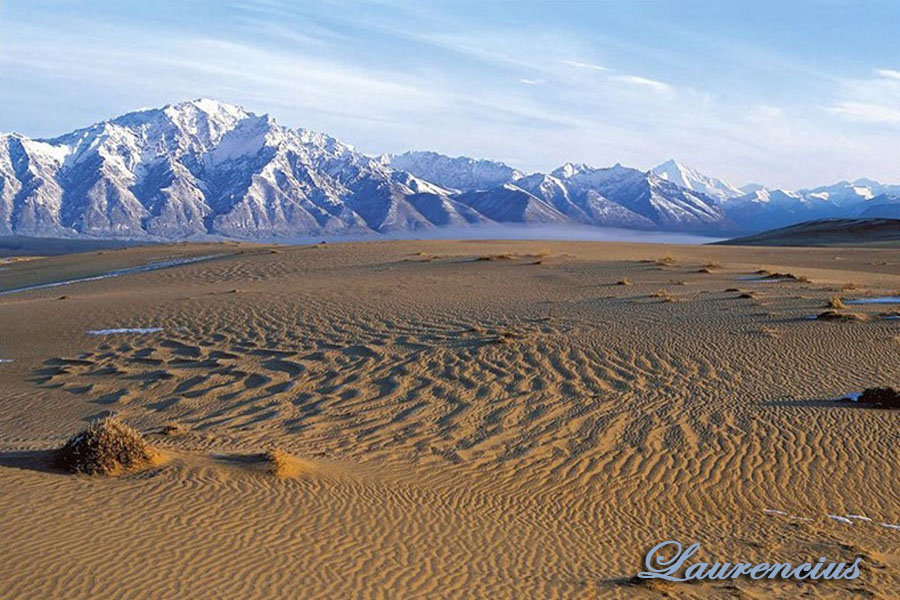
469	419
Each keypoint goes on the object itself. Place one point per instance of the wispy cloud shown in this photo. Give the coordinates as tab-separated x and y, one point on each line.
657	86
874	100
585	65
866	113
888	73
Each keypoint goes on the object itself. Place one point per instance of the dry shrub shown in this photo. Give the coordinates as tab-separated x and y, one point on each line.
663	295
280	463
106	447
665	260
885	397
850	285
836	303
493	257
789	276
833	315
171	429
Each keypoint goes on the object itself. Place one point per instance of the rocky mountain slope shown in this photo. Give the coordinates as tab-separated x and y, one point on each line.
206	168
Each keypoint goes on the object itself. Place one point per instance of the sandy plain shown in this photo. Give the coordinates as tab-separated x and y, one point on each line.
472	419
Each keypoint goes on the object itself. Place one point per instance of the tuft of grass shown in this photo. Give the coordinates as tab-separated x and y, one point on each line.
664	261
836	303
663	295
850	285
106	447
279	463
885	397
493	257
833	315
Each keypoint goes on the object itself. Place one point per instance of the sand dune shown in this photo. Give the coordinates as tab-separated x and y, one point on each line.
515	427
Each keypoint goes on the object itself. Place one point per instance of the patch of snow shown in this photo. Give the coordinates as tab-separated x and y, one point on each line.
879	300
164	264
124	330
841	519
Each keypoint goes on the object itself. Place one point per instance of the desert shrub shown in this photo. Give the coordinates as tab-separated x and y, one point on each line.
281	464
836	302
885	397
833	315
106	447
493	257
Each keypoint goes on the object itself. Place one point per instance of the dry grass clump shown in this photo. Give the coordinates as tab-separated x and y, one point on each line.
624	281
789	276
663	295
171	429
850	285
280	463
833	315
106	447
885	397
493	257
836	303
664	261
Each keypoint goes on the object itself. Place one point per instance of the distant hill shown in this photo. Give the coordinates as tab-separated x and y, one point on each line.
828	232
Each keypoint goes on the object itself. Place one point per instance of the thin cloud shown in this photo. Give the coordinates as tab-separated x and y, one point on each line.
653	84
583	65
888	73
866	113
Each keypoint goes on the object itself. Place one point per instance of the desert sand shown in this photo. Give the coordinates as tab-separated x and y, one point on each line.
520	426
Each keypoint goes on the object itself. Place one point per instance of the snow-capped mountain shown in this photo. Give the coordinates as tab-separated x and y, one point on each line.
204	167
461	174
695	181
208	168
642	193
762	208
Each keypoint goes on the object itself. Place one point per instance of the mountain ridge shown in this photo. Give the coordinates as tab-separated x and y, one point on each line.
207	168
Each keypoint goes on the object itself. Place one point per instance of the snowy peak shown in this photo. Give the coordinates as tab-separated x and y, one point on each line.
693	180
461	173
205	167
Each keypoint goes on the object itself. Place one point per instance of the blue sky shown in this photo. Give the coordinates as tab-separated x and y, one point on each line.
789	94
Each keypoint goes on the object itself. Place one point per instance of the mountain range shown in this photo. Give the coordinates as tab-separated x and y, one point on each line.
206	168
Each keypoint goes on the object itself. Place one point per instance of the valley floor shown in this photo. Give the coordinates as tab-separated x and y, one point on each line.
476	419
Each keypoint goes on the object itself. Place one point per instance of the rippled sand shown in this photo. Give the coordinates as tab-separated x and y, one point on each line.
515	426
